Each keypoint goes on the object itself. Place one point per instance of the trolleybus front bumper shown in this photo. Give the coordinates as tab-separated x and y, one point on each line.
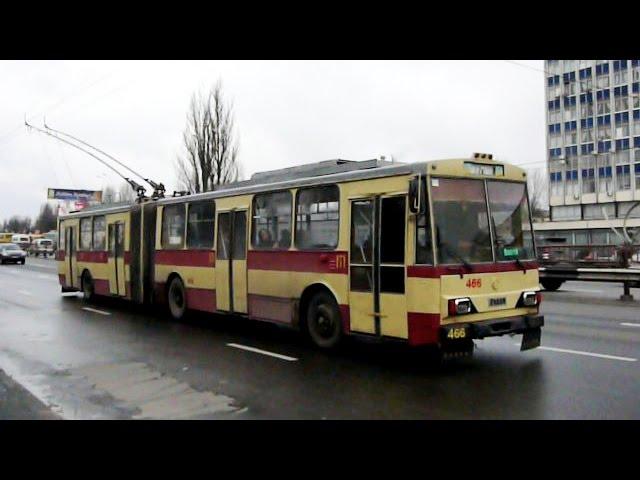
527	325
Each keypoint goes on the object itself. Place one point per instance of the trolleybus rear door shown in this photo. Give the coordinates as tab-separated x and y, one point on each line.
117	285
377	298
231	262
71	273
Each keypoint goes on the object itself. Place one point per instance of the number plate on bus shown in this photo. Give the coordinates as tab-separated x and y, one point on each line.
456	333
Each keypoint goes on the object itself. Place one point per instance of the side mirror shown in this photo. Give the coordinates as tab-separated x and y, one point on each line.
417	195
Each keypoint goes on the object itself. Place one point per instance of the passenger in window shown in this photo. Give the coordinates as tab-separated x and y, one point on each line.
285	239
264	238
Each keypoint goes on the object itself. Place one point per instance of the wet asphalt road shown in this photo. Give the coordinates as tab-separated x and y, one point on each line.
110	360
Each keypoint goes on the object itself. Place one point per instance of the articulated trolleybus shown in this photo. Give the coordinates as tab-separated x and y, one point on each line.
433	253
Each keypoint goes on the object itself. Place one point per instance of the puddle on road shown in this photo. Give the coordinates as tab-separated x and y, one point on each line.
113	391
151	394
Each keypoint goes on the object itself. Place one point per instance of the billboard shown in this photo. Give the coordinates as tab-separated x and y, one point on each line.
71	200
78	195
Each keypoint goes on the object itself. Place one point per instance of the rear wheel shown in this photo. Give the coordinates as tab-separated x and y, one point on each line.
551	285
177	299
88	288
323	321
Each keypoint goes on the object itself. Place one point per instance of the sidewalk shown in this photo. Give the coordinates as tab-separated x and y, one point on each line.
16	403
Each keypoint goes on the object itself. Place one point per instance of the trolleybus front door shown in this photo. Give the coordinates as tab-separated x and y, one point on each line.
117	285
231	262
71	273
377	300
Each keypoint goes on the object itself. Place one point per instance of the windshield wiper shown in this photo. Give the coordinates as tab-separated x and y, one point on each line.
520	264
457	256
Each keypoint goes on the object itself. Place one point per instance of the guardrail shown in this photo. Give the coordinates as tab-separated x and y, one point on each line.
552	276
600	255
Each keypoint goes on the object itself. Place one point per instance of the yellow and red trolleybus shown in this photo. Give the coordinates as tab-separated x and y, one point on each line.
431	253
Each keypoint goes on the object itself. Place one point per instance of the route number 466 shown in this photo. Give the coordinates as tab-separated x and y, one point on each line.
474	283
457	333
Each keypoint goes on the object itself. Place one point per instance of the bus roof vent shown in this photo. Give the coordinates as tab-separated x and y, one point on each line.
326	167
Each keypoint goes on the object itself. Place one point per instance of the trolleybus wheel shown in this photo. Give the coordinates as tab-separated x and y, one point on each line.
324	323
551	284
177	299
88	288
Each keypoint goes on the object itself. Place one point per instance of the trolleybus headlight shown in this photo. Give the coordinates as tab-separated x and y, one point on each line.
459	306
531	299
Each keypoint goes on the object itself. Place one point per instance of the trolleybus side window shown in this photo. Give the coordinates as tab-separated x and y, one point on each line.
317	218
200	225
173	226
362	245
239	236
223	246
99	233
61	244
271	226
85	234
424	247
392	244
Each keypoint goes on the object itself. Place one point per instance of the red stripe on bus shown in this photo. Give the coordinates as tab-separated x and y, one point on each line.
426	271
201	299
60	255
127	258
423	328
266	307
197	298
95	257
186	258
101	287
62	279
346	318
298	261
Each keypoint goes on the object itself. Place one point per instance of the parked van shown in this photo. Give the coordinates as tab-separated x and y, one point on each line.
23	241
42	246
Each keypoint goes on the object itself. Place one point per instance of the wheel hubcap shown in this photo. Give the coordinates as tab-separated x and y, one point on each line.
178	299
325	325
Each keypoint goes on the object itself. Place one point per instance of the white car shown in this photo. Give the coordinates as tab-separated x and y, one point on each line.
11	253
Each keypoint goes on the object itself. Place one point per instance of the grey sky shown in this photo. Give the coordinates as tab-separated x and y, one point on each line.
287	113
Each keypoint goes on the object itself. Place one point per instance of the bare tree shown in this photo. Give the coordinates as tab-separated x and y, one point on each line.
211	150
47	219
124	193
537	187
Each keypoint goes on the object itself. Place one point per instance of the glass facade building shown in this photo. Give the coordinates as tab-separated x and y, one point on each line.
593	142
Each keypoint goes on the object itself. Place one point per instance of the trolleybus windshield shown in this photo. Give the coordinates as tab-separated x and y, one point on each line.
463	232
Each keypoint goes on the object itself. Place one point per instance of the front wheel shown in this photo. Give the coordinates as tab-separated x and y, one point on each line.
177	299
22	261
324	322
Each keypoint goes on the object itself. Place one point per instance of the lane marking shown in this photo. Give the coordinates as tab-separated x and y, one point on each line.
88	309
581	290
263	352
588	354
24	292
630	324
